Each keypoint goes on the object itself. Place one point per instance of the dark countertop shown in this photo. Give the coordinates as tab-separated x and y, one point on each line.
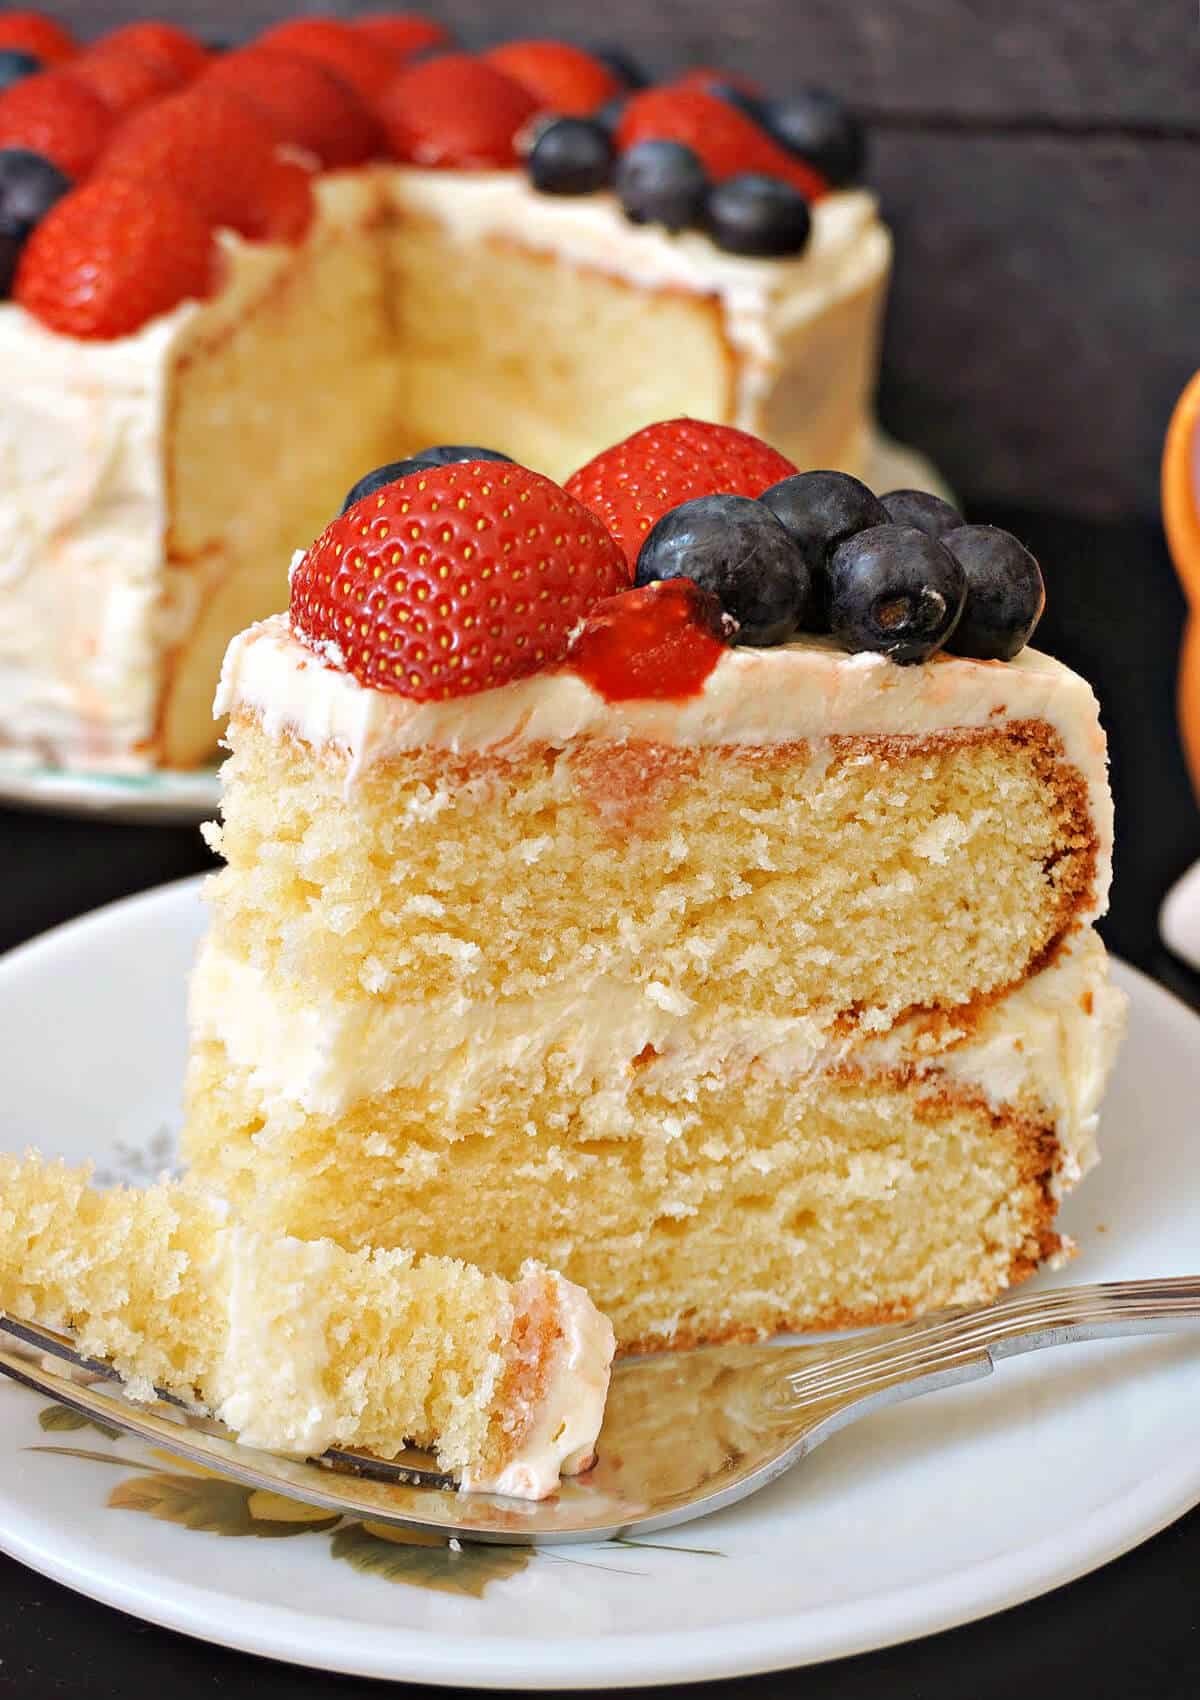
1131	1630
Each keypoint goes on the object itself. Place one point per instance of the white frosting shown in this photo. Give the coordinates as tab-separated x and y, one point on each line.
762	300
560	1439
92	601
806	690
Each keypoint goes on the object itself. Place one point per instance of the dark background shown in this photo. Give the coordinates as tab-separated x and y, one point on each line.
1039	161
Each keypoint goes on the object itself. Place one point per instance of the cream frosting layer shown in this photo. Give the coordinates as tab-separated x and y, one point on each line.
807	690
1045	1049
560	1433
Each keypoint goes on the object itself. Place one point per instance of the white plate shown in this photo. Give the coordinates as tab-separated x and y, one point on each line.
168	798
917	1519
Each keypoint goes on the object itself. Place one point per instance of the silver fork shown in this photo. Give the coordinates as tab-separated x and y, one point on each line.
685	1433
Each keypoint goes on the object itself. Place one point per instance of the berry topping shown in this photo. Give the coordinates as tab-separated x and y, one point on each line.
757	215
162	43
454	580
818	128
734	547
660	641
30	32
727	141
214	150
561	78
29	187
303	102
403	34
895	591
15	66
821	510
112	255
1005	593
365	63
456	111
918	507
571	156
627	71
444	454
633	484
662	183
57	118
608	116
710	77
124	81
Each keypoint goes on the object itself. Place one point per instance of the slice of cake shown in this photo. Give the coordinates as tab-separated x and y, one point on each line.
171	431
750	983
299	1346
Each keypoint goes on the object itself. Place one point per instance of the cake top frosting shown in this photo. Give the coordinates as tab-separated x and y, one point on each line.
232	140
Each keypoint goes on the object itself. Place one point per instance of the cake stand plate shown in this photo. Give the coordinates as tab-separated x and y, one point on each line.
158	798
917	1519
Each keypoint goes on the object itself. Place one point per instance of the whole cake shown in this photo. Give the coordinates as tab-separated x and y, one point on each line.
239	278
300	1346
691	890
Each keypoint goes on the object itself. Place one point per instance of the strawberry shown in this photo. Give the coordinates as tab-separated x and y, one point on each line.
456	111
726	140
636	482
214	150
562	78
368	66
660	641
58	118
303	101
454	579
30	32
113	255
163	44
404	34
123	80
704	76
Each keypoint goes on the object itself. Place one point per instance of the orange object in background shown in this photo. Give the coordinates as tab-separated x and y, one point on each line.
1181	518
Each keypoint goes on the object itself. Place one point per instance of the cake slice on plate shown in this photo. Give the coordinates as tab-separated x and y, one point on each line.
725	942
298	1345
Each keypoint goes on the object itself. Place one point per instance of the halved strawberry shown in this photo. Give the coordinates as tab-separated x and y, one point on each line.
636	482
660	641
456	111
453	580
368	66
58	118
214	151
113	255
303	101
32	32
562	78
726	140
404	34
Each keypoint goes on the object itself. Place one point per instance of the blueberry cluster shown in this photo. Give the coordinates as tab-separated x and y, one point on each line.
29	187
900	575
663	182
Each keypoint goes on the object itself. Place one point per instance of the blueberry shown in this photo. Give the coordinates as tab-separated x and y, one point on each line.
736	548
748	104
15	65
662	183
444	454
610	114
1005	593
624	68
895	591
917	507
571	156
821	510
753	214
820	128
29	187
